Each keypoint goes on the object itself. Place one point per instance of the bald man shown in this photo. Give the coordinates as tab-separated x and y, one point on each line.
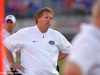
85	56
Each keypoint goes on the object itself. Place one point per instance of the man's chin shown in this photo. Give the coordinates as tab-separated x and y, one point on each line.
48	26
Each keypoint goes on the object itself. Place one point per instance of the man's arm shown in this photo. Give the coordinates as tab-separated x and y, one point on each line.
9	56
11	60
62	56
71	68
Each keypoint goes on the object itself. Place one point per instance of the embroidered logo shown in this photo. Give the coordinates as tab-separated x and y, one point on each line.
34	41
51	42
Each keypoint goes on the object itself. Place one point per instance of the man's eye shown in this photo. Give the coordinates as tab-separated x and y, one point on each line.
46	17
51	18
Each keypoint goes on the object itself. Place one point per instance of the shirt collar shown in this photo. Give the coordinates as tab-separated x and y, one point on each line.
39	32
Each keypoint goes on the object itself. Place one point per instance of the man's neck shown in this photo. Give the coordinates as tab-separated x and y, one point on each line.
42	30
96	22
7	29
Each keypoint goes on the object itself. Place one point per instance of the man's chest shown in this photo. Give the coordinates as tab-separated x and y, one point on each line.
47	44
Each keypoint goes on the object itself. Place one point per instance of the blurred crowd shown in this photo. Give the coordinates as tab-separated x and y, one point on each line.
26	8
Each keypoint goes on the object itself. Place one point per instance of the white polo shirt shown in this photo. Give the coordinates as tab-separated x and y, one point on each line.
5	34
86	50
39	51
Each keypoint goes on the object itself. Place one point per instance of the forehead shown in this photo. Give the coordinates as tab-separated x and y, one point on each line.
47	14
9	21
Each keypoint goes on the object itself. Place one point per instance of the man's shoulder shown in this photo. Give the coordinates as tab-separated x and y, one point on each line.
25	29
83	37
57	33
54	31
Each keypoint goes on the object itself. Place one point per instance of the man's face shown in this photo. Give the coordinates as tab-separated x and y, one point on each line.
45	20
10	25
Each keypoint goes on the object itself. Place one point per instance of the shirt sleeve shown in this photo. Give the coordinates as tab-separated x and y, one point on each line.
64	45
13	42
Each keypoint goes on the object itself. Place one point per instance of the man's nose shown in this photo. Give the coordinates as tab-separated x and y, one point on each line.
49	20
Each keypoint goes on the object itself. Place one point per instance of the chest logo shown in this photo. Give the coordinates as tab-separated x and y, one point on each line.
34	41
51	42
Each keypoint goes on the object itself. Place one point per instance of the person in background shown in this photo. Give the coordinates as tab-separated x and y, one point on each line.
9	26
85	56
39	46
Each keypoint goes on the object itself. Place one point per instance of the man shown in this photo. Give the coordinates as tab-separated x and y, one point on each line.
39	46
9	25
84	59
